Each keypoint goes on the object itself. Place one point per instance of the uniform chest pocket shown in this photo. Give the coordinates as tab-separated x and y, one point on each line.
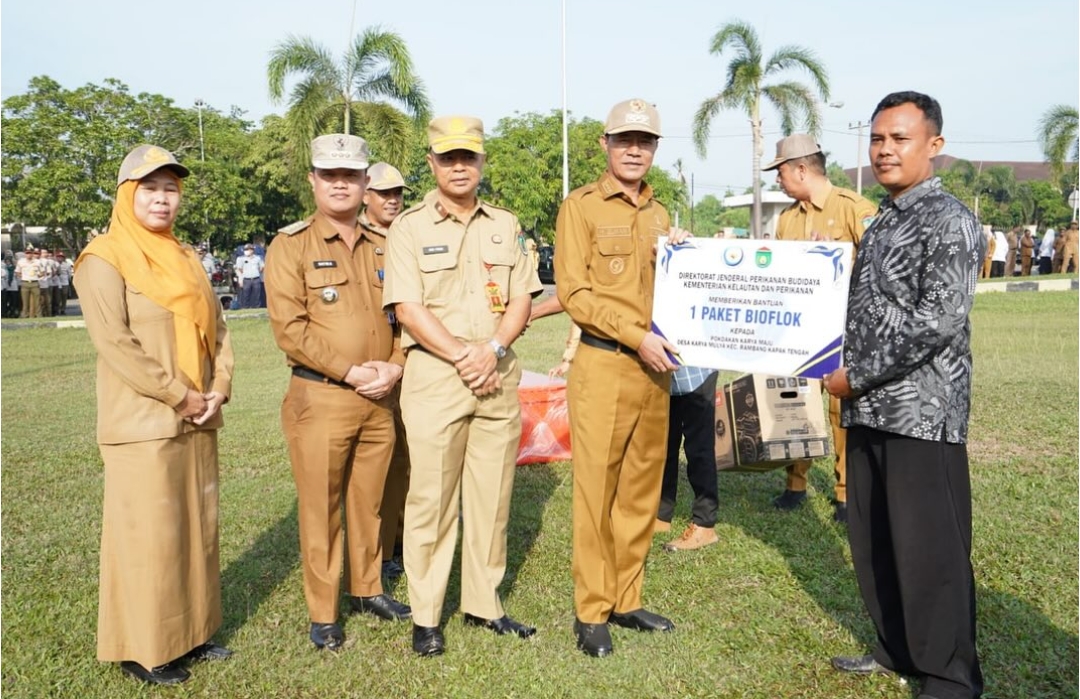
141	310
326	287
616	246
499	259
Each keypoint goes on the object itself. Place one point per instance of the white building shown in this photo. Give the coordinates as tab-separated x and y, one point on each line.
772	203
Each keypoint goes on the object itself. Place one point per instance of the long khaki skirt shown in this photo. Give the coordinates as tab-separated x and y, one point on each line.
160	592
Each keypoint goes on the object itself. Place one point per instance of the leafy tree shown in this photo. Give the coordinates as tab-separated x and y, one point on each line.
744	90
372	91
62	149
835	172
276	201
1058	137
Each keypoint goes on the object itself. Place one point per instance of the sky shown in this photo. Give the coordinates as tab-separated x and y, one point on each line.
995	66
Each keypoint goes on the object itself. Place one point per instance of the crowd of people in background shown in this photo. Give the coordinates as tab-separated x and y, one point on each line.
37	283
1016	253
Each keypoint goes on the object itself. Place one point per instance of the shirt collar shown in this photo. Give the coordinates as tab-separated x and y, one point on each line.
439	213
906	200
611	187
818	201
371	230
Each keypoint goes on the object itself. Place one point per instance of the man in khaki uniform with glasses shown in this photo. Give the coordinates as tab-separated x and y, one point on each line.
462	288
605	258
822	212
324	297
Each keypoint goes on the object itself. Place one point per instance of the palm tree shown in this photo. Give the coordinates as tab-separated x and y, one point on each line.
1058	137
372	91
744	89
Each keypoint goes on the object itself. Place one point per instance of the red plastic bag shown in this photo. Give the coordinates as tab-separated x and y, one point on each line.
545	422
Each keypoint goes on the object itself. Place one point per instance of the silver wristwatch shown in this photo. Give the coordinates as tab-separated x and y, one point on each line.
500	351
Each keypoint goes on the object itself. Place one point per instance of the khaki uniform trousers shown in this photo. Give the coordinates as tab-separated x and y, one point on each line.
31	299
618	431
340	445
1068	256
796	472
1025	265
463	451
392	512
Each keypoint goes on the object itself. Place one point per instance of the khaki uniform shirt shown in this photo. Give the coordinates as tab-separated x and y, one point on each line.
838	215
605	261
454	267
325	301
28	270
138	379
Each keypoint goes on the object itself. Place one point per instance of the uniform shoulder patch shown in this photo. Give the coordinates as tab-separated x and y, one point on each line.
412	209
296	227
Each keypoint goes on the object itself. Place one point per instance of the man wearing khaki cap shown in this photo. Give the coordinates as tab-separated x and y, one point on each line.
824	212
462	288
325	301
605	257
382	204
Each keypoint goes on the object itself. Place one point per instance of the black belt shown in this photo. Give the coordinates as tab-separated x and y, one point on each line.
311	375
609	345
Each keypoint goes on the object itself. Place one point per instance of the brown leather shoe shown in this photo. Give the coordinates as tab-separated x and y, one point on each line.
694	537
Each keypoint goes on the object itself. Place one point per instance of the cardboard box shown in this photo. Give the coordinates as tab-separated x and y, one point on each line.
725	447
774	420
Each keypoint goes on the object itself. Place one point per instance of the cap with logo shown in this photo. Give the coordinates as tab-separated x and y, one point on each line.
795	146
633	115
146	159
338	150
456	133
383	176
249	246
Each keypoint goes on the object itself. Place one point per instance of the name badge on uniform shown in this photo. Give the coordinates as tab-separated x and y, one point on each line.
436	249
329	295
324	264
494	294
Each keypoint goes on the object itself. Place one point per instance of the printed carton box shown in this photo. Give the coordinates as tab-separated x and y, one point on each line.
772	421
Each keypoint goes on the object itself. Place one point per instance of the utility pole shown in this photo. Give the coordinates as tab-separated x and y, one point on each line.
565	127
858	157
199	104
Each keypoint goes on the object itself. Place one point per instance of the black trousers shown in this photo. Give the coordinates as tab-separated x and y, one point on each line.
691	422
909	524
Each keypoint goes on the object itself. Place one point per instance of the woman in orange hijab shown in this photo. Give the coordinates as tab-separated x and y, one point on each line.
164	370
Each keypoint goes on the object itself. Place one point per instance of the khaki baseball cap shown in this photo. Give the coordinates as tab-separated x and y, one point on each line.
146	159
633	115
383	176
794	146
339	150
456	132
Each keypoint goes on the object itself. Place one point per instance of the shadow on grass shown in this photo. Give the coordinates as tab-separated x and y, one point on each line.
533	486
250	579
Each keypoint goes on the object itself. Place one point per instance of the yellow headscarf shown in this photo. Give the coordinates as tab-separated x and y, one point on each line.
166	272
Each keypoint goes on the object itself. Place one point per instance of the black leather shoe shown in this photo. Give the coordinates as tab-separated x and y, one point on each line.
391	569
840	512
169	673
383	606
593	639
208	651
427	641
860	665
327	636
789	500
502	626
641	620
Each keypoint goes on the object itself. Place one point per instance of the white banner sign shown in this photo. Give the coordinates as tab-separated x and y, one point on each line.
757	306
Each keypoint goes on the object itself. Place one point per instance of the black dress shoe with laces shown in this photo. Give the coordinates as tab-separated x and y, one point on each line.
427	641
169	673
641	620
502	626
593	639
208	651
392	570
383	606
327	636
860	665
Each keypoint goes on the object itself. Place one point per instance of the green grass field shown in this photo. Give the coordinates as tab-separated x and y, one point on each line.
757	615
